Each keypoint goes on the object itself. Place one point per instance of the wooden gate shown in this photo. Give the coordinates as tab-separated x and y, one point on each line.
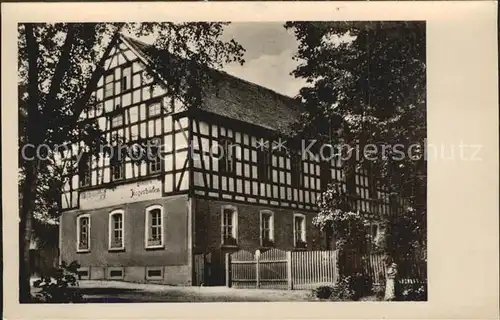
272	269
260	270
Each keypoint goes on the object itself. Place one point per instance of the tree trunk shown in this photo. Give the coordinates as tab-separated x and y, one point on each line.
30	164
25	230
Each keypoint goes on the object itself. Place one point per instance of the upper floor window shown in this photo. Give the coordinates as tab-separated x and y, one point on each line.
229	225
83	233
117	165
154	109
154	156
116	230
266	228
84	166
264	164
299	230
154	227
350	182
117	121
296	170
226	156
108	85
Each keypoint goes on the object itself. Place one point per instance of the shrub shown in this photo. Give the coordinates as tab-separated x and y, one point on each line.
60	285
362	285
342	290
379	291
323	292
413	291
352	287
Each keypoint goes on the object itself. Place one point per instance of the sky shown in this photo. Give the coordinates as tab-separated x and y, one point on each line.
269	50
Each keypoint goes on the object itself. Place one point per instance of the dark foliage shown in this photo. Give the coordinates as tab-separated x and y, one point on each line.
60	286
343	291
323	292
352	287
413	292
367	87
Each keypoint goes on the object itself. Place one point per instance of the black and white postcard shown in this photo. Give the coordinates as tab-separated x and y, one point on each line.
247	153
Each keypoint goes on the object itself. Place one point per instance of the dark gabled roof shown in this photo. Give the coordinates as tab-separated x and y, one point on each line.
238	99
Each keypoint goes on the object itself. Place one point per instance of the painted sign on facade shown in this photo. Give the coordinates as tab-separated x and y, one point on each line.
126	193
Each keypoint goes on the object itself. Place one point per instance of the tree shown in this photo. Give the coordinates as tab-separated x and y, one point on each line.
367	87
59	65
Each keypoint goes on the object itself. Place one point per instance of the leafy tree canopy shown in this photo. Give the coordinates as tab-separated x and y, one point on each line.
367	86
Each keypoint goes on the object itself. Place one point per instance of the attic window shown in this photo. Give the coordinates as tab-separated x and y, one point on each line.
126	81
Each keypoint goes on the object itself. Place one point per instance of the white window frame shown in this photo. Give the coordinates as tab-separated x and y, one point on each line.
271	225
162	227
111	229
234	222
304	224
78	226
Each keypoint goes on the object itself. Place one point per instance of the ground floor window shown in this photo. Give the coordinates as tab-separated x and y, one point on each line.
266	228
116	230
154	227
299	234
229	225
83	232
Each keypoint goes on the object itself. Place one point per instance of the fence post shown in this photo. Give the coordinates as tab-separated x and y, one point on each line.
289	269
257	268
228	270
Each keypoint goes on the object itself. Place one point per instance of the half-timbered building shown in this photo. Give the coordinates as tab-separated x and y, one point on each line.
210	189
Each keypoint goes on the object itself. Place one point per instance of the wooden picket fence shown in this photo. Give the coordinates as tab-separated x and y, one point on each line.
278	269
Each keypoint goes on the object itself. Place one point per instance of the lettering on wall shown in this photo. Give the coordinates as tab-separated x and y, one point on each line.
126	193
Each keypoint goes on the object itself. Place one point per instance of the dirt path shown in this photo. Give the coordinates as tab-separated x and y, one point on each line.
117	291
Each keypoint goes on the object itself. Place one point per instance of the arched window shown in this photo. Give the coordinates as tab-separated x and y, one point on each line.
83	233
116	230
154	233
229	225
266	228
